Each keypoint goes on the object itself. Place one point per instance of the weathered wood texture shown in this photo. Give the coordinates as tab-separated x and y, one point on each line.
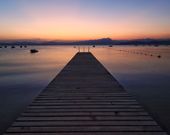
84	99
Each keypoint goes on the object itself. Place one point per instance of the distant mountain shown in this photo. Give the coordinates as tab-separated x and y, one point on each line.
103	41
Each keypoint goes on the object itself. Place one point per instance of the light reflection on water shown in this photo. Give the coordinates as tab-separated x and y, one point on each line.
24	75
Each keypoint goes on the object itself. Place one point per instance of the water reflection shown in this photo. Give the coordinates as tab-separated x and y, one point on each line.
24	75
145	77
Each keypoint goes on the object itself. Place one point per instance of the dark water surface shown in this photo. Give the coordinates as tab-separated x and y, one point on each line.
24	75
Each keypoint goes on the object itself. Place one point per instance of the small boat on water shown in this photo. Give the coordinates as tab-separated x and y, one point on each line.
33	51
12	47
94	46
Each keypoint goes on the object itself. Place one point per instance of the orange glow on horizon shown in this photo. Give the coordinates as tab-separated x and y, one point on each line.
82	29
81	37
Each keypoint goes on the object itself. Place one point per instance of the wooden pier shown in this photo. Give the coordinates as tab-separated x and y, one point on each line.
84	99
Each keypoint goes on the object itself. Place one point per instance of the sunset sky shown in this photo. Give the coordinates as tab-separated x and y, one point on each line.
84	19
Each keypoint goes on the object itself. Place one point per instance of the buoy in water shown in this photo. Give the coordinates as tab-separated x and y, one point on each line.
159	56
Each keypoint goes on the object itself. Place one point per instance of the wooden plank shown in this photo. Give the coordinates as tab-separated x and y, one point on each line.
85	129
84	99
117	110
48	103
92	133
81	106
87	100
90	117
82	94
85	96
31	114
82	123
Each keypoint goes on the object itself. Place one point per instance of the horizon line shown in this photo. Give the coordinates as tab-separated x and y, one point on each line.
67	40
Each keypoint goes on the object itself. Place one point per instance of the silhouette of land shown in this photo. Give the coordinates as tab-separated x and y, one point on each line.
103	41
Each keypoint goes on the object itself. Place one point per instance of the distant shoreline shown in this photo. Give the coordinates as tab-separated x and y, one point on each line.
103	41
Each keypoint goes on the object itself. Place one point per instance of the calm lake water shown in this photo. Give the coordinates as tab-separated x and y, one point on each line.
23	76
